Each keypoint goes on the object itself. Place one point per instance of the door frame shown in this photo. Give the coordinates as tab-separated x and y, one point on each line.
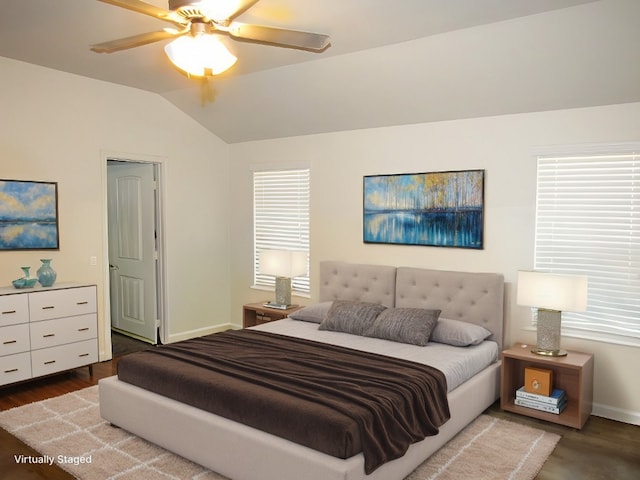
161	277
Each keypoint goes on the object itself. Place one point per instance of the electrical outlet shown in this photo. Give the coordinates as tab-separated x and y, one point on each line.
93	260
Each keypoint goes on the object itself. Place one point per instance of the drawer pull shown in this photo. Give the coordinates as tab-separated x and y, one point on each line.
50	307
7	312
49	362
83	329
11	371
49	335
83	355
81	303
9	342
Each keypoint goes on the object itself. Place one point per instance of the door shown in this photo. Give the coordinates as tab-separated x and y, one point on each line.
132	248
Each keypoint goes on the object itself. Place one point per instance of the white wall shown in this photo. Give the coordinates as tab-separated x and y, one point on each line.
57	127
502	145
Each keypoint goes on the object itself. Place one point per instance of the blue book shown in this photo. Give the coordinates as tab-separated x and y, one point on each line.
555	398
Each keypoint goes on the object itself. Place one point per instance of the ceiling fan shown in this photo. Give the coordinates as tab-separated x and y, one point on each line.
196	47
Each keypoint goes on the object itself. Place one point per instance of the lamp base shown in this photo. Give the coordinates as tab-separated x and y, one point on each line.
548	332
283	291
549	353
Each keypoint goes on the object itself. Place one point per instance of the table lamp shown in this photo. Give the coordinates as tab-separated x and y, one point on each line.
551	294
283	264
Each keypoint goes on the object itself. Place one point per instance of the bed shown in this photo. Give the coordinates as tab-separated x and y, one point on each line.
241	452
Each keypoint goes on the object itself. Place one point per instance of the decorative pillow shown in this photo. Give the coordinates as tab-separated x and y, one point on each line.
406	325
312	313
351	317
458	334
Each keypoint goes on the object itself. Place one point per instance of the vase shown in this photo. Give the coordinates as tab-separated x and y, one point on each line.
46	274
25	270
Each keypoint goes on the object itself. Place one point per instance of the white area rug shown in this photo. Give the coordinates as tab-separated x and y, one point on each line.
68	430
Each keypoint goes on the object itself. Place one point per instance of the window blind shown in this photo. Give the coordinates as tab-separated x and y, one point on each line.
588	222
281	218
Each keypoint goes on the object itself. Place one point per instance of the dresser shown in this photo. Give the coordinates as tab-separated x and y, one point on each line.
47	330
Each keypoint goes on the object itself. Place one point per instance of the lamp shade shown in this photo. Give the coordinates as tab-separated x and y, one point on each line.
552	291
283	263
200	54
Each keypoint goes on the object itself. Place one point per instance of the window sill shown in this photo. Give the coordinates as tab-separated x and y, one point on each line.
294	293
595	336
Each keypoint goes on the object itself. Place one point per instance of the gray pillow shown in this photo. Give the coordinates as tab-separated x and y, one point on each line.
458	333
406	325
312	313
351	317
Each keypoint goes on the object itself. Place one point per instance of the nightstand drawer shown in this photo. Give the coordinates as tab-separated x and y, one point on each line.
62	303
14	309
14	339
49	333
14	368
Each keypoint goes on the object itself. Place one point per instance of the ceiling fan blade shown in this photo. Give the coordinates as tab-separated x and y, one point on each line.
133	41
145	8
278	36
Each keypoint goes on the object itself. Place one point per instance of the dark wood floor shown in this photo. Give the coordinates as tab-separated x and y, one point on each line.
604	449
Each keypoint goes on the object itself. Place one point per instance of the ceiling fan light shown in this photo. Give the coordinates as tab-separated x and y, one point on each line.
197	55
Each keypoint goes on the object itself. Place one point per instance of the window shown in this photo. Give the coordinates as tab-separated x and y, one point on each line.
281	218
588	222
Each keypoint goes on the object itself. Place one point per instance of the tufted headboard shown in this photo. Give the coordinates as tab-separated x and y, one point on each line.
353	281
467	296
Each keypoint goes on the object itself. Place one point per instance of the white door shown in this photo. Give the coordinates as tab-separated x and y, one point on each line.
132	248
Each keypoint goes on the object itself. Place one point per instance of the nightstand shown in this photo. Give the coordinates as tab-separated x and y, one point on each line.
256	313
573	374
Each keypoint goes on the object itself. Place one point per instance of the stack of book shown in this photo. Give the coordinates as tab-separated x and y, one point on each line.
554	403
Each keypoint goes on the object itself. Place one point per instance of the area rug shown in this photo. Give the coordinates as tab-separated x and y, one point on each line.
68	431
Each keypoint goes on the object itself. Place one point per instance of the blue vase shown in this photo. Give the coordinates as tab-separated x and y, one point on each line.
46	274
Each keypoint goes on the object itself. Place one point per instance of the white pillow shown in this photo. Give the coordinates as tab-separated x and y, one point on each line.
458	333
314	313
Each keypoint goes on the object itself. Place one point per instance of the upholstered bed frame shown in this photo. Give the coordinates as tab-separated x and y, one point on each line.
244	453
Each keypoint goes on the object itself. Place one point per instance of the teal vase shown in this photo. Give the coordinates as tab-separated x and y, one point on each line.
46	274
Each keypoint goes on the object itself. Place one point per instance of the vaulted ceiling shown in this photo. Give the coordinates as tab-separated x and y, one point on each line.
389	63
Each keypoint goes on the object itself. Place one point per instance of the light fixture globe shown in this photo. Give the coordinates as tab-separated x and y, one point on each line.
200	53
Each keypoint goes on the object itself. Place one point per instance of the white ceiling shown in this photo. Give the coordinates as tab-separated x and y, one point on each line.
389	63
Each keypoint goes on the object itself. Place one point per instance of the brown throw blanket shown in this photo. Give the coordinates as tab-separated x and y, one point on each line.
333	399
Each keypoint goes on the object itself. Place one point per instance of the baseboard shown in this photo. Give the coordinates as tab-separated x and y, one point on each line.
177	337
617	414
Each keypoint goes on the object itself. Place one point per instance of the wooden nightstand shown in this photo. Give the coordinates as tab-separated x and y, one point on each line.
256	313
573	374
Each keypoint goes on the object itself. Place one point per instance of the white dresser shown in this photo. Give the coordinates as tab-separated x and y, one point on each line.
47	330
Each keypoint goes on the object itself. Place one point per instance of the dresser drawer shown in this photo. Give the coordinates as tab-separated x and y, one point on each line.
62	303
14	339
14	368
60	331
64	357
13	309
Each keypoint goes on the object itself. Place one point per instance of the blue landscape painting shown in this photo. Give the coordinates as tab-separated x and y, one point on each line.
443	209
28	215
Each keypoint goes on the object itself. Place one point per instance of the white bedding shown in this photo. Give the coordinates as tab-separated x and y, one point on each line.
457	363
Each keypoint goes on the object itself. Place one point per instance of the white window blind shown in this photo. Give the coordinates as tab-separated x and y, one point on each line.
281	218
588	222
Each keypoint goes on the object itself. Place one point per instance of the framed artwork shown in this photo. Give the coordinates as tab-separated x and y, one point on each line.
28	215
441	209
